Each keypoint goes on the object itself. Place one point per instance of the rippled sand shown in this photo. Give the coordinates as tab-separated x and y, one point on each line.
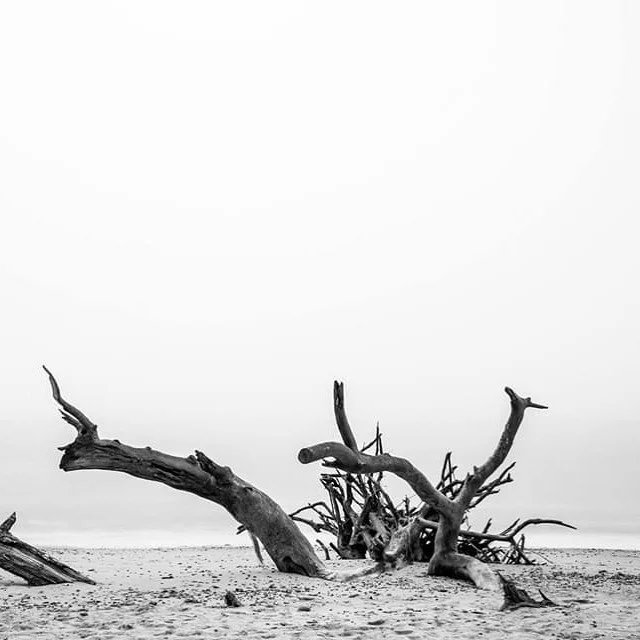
164	593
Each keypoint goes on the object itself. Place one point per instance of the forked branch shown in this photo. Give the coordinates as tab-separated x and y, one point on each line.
85	428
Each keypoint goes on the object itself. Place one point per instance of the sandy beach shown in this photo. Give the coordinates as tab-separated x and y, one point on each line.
158	593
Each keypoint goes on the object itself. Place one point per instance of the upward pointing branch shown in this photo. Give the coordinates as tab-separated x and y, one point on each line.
347	457
341	417
5	527
85	428
480	474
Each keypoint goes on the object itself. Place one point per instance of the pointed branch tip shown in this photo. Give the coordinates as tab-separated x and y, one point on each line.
526	401
5	527
55	389
71	414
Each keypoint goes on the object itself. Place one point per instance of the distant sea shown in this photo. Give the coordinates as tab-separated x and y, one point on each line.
537	537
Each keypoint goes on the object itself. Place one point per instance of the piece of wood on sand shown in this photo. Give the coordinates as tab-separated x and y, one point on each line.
516	598
31	564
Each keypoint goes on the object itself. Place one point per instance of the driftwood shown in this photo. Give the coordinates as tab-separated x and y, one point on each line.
449	501
516	598
231	599
265	520
31	564
263	517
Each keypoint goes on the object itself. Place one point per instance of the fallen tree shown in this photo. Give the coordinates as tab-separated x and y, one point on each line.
263	517
450	510
31	564
362	518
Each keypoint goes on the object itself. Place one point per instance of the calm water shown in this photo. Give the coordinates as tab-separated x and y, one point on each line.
547	537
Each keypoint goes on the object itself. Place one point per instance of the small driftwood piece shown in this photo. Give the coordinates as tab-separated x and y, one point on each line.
516	598
31	564
231	599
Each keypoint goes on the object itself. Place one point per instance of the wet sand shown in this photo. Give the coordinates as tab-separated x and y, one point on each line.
179	593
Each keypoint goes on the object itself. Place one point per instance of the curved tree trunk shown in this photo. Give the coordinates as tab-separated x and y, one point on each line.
263	517
445	560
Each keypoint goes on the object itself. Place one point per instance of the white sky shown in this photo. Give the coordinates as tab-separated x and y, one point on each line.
210	211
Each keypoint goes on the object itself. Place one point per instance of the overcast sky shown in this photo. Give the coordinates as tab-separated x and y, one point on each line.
210	211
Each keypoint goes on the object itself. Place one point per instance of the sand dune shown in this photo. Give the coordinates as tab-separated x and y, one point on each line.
164	593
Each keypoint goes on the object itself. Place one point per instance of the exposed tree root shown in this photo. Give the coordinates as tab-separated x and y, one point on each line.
364	518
